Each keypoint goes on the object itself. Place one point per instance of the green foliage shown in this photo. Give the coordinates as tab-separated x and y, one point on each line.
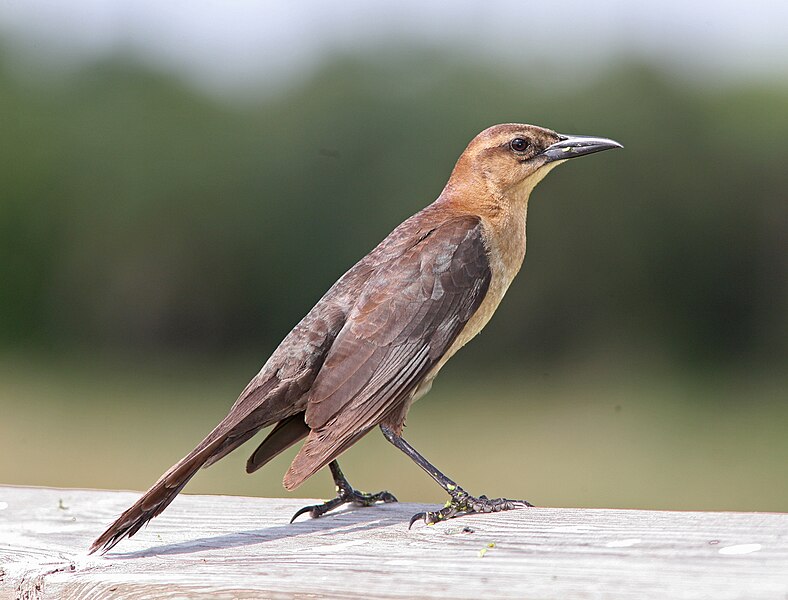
584	438
138	213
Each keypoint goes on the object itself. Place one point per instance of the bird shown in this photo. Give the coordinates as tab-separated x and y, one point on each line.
374	343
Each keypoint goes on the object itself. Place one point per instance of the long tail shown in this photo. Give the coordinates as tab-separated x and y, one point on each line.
158	497
247	416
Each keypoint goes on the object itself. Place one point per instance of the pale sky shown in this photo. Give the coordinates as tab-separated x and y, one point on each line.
235	43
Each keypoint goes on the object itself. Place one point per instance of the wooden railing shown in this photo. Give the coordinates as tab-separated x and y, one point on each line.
234	547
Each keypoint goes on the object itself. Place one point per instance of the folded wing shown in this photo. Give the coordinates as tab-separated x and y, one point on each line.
407	316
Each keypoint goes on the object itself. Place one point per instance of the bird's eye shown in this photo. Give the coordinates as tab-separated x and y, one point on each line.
518	145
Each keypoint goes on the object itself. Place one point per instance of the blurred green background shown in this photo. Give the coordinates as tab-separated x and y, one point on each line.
163	226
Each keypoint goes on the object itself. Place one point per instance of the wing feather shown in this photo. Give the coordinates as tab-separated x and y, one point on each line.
409	313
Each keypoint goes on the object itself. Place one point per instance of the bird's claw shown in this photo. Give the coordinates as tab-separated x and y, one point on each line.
314	510
463	504
345	496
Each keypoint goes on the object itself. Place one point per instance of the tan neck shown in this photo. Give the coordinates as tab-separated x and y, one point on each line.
503	212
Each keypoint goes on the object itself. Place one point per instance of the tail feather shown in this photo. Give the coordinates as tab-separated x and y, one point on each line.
230	444
286	433
156	499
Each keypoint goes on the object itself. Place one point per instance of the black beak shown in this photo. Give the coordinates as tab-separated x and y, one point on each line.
572	146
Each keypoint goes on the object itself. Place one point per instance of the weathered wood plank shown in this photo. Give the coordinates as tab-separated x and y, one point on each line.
231	547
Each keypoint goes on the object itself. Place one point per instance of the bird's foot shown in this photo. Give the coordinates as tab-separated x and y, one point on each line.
462	503
345	495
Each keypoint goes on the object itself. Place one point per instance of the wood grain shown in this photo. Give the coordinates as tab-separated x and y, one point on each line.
234	547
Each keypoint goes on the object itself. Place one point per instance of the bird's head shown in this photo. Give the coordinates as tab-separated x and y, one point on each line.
509	160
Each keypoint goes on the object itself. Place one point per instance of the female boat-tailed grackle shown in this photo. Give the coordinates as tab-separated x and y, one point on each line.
374	343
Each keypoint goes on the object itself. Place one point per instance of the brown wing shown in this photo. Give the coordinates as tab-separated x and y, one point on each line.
409	313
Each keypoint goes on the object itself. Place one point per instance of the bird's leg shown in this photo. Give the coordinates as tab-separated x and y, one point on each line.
345	494
461	503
